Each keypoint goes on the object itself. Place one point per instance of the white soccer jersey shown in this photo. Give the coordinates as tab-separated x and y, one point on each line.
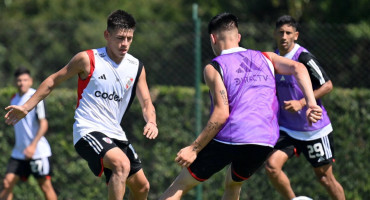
105	95
26	129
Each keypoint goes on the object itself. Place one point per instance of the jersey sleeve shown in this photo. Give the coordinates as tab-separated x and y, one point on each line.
317	74
41	110
217	66
269	62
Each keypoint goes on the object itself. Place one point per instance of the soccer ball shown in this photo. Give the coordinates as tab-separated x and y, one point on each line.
302	198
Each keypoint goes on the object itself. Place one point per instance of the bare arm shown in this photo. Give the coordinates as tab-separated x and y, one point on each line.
30	150
286	66
220	114
142	92
325	89
79	64
297	105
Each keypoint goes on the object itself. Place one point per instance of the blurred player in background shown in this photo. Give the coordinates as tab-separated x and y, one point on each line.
108	79
32	151
243	127
296	134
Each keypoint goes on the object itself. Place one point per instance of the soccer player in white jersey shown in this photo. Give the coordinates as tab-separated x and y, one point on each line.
108	79
31	151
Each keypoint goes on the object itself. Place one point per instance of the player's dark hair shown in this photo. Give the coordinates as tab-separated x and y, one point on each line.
286	19
21	70
120	19
222	22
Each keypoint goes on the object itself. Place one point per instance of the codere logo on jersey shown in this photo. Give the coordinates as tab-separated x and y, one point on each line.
105	95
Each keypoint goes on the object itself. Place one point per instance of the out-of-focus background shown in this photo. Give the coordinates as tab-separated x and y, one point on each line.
44	35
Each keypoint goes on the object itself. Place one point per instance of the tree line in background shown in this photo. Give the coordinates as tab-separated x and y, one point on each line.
43	35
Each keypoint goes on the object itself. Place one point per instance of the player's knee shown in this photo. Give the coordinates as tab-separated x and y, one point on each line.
45	188
145	188
45	185
271	169
140	191
7	185
325	179
121	168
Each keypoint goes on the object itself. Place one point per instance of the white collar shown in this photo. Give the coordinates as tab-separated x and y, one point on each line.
29	92
292	52
233	50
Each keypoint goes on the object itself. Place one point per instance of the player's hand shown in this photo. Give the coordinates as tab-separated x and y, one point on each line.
29	151
150	130
314	114
186	156
293	105
14	114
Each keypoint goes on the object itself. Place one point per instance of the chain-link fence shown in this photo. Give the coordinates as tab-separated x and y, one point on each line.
343	50
167	49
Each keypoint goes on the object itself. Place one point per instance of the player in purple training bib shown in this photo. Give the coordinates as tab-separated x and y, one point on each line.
243	127
296	134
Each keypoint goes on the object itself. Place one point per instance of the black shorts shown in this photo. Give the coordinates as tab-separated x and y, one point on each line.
318	152
244	159
93	146
39	168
